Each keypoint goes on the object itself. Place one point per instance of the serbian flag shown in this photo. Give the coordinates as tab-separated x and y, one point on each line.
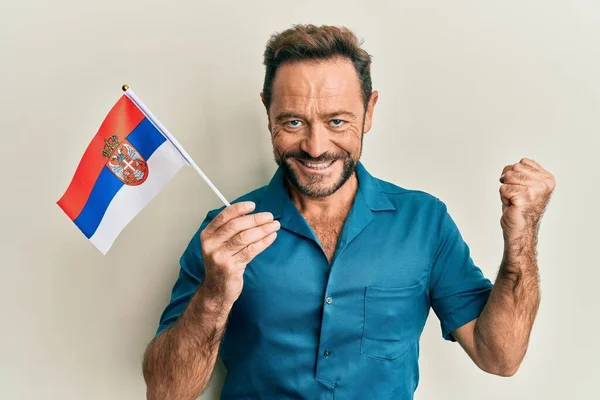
128	161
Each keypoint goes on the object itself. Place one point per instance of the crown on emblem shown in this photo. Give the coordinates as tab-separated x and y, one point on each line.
109	146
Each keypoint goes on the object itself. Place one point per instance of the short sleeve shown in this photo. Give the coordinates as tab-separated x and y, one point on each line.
191	275
458	288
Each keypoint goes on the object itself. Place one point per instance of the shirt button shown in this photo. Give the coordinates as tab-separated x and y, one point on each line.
329	300
327	353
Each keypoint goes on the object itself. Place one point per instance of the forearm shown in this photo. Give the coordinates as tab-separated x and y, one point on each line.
502	330
179	362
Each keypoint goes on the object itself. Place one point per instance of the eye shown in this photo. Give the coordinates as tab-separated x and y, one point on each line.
337	123
294	123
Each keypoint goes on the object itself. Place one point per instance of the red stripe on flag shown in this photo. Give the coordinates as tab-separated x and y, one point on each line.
120	121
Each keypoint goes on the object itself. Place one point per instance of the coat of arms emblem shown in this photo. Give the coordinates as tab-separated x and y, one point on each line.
125	162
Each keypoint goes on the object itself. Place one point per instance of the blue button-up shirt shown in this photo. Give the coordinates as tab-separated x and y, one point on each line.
307	329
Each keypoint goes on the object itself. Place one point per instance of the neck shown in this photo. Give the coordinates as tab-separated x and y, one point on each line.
339	201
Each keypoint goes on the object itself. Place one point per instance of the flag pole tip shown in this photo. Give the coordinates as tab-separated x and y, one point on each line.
125	88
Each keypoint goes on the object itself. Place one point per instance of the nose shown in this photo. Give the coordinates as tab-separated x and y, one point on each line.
316	141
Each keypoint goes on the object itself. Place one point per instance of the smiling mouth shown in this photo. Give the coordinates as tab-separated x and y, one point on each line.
317	166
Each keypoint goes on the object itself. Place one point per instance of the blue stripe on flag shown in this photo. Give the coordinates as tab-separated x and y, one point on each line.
146	139
102	194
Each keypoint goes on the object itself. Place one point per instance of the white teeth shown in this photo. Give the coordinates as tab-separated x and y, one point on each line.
317	165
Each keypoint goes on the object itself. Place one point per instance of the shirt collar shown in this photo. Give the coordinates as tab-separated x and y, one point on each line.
371	192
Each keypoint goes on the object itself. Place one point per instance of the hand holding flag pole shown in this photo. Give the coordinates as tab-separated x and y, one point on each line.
129	93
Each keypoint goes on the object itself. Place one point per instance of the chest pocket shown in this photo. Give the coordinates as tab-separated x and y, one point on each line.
391	319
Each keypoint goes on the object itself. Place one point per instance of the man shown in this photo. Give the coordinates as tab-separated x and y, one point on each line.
318	285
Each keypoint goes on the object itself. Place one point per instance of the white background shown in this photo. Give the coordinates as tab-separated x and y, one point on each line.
465	88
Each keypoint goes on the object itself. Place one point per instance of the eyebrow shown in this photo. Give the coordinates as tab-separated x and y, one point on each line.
287	115
340	113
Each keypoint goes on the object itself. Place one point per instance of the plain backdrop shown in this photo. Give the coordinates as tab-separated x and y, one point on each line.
465	88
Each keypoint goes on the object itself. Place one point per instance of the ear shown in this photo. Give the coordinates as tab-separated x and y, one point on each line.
262	98
369	113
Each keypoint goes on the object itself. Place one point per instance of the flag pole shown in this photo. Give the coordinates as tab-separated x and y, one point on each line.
129	93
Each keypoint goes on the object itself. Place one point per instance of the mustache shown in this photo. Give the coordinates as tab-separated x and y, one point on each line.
304	156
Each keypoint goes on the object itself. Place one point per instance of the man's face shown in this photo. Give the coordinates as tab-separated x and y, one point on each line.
317	120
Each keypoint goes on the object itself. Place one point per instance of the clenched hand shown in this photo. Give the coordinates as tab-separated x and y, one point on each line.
525	192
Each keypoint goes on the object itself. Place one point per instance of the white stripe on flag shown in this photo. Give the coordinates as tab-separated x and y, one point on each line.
130	200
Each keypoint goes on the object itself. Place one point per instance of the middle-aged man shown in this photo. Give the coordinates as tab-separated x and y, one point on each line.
318	285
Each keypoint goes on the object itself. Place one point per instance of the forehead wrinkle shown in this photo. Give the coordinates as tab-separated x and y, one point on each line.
309	107
304	90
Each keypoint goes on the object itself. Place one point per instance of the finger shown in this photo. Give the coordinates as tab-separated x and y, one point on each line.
248	253
240	224
521	167
507	168
230	212
505	201
248	237
532	163
517	178
510	193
